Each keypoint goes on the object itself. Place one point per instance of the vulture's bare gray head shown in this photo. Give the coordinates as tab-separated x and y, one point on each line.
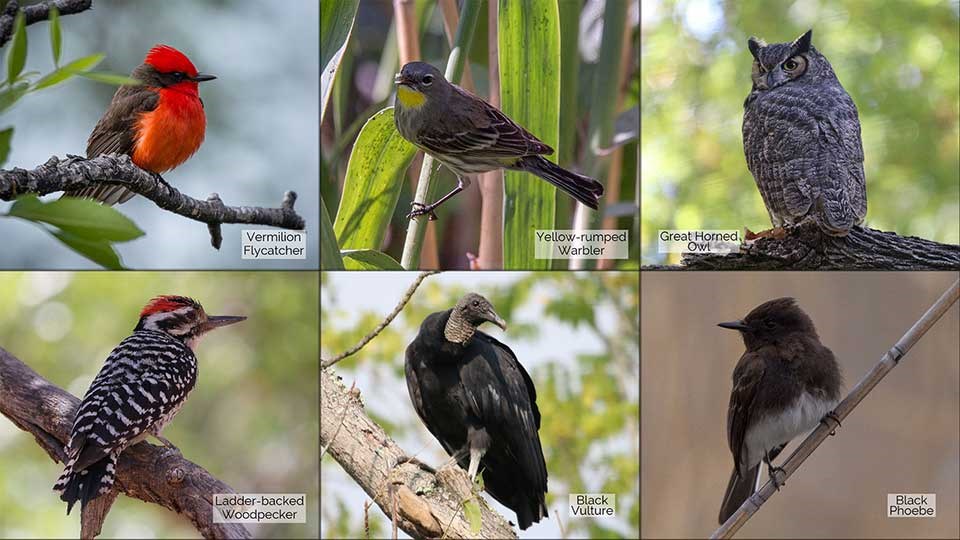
476	310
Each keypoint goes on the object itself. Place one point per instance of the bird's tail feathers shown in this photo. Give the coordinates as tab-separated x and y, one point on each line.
738	489
105	193
580	187
88	484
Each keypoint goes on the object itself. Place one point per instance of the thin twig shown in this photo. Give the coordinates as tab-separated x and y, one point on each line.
76	173
827	426
386	322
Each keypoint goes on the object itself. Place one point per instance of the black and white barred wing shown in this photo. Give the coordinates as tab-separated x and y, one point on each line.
144	380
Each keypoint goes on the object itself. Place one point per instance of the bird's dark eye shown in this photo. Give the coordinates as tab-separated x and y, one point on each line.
178	75
427	81
791	65
476	303
769	324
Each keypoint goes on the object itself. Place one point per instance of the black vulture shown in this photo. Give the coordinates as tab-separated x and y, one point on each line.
478	401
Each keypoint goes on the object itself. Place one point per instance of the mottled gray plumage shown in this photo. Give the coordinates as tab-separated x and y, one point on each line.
801	137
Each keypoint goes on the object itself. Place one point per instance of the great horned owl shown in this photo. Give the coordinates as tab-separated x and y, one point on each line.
801	136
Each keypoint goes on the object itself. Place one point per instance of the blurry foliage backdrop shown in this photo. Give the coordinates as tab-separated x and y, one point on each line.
577	335
898	60
251	420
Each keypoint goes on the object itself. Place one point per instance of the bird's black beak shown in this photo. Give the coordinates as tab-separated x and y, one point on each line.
734	325
203	77
399	78
216	321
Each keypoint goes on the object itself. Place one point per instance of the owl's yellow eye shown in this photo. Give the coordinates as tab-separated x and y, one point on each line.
791	65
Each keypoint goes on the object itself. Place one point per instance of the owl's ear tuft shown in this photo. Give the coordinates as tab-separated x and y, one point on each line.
802	43
755	44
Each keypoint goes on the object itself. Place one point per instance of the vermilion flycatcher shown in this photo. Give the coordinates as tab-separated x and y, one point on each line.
159	123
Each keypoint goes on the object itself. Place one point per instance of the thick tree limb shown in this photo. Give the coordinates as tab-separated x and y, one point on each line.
36	13
150	473
428	505
77	172
806	248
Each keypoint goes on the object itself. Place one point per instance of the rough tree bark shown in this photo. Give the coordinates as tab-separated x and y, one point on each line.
36	13
154	474
428	505
76	173
806	248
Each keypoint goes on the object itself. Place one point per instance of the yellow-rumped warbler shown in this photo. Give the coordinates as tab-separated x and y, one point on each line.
470	136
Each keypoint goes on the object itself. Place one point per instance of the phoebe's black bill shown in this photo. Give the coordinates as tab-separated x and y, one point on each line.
203	77
733	325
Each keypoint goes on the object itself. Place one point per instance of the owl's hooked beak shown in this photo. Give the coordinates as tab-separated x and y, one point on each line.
775	77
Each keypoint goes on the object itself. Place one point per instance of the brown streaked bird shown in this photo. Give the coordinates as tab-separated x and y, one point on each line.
159	123
784	384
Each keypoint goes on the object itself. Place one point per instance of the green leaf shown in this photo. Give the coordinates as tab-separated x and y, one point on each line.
17	55
53	78
329	251
82	218
5	136
336	24
10	95
529	52
55	38
80	67
368	259
84	64
471	510
372	184
110	78
98	251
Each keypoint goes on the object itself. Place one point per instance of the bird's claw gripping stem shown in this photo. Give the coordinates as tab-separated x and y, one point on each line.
420	209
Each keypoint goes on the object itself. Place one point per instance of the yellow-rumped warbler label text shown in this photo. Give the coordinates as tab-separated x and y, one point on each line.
587	244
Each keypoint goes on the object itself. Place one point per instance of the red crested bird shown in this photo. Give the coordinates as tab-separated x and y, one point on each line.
159	123
141	387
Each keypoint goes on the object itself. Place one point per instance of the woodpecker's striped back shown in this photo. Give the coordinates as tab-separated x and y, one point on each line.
141	387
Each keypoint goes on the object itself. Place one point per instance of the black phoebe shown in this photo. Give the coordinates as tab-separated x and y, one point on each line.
783	385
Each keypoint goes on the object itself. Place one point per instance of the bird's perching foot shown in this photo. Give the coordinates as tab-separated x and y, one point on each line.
167	443
420	209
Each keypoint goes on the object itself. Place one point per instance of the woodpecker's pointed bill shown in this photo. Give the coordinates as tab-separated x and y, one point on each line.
141	387
159	123
216	321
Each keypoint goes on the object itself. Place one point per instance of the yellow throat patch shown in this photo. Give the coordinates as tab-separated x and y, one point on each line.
410	98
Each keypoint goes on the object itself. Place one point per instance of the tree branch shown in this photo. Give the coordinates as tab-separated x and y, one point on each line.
325	363
150	473
806	248
889	361
424	500
76	173
36	13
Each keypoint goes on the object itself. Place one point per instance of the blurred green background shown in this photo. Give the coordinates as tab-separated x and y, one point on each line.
576	334
898	60
251	420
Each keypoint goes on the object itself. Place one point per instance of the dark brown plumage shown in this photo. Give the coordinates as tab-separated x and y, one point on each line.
784	383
